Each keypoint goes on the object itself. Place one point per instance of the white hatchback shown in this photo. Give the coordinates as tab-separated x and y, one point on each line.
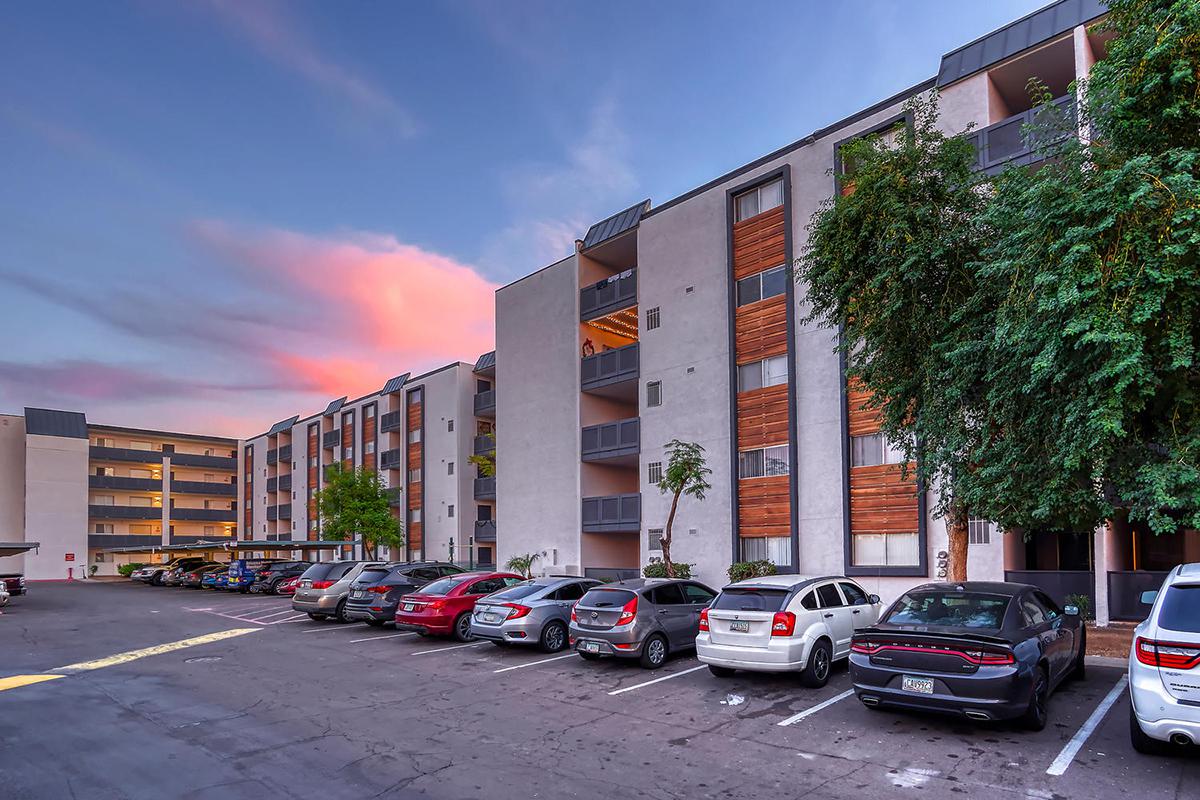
1164	665
784	623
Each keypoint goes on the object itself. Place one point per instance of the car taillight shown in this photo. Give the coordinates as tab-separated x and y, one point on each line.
436	605
1170	655
573	617
322	584
628	611
516	611
378	589
704	619
783	624
985	658
863	647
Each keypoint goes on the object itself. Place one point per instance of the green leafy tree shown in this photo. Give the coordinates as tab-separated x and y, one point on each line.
686	473
353	504
523	564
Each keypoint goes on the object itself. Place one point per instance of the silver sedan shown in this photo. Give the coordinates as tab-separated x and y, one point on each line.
535	612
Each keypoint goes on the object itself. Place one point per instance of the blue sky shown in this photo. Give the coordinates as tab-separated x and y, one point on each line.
215	214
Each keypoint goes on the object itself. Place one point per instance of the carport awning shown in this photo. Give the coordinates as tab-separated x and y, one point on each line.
271	544
229	544
17	548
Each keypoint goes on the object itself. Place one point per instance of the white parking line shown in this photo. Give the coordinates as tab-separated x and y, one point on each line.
808	712
333	627
658	680
535	663
275	614
377	638
296	618
1060	764
444	649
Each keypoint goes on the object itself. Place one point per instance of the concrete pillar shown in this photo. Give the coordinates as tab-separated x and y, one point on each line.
166	499
1102	563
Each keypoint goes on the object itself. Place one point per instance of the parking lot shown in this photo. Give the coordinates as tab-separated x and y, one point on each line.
272	704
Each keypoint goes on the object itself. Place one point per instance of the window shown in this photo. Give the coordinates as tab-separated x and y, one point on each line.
829	596
809	601
414	515
979	531
450	511
655	542
886	549
312	524
854	595
141	530
414	397
369	448
135	445
760	199
210	530
104	471
140	473
763	462
1031	613
414	436
653	394
104	527
102	500
667	595
1180	608
771	371
348	452
872	450
949	608
572	591
654	472
370	412
450	468
776	549
414	476
449	426
653	318
697	594
762	286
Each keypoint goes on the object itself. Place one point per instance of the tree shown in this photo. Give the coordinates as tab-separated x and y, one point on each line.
523	564
889	263
353	503
686	474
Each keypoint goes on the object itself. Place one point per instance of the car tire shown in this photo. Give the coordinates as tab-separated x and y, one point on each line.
654	651
589	656
554	637
1138	738
1035	716
462	627
317	617
156	579
721	672
339	613
273	586
820	663
1079	671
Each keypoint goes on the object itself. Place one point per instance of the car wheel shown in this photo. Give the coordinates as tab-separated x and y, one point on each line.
339	613
1078	671
1035	716
462	627
1138	738
589	656
654	652
820	661
721	672
156	579
273	587
317	617
554	637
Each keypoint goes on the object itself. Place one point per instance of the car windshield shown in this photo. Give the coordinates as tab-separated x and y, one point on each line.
1181	609
372	575
750	599
521	590
445	585
949	609
606	598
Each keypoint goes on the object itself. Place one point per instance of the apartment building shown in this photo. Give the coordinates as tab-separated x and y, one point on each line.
417	432
680	321
91	494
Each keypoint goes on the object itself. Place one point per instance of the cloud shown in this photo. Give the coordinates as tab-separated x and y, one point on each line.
88	380
267	26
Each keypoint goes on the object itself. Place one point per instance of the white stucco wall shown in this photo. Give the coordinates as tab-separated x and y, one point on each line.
56	505
12	488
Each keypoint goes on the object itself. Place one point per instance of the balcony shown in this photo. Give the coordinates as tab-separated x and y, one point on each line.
272	484
189	538
125	512
484	444
330	439
285	453
610	370
1007	142
485	530
124	540
204	514
395	496
120	482
204	487
485	488
609	295
485	403
391	421
272	456
125	454
272	513
392	459
285	510
618	441
210	462
285	482
616	513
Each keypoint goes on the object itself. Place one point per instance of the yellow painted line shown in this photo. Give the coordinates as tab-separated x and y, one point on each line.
16	681
157	650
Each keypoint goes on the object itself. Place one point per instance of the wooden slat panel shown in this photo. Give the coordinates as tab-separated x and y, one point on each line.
861	421
414	416
368	435
881	501
762	416
760	329
413	534
764	507
759	243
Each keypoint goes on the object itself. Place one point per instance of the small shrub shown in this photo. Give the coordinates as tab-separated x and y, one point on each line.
657	569
127	569
750	569
1083	603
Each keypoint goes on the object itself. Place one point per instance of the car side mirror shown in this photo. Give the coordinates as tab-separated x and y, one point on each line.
1149	597
1071	611
874	599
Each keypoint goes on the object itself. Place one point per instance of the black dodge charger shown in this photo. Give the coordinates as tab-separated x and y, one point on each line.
982	650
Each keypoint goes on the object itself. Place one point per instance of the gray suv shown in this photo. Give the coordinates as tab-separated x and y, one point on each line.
324	587
644	618
535	612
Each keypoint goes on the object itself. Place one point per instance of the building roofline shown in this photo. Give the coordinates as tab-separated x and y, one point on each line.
536	272
166	434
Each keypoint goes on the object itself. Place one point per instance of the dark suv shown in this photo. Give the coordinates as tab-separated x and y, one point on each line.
377	590
269	576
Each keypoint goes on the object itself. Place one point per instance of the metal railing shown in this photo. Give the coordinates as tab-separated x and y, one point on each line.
122	482
609	295
391	459
609	367
203	487
1010	142
485	403
485	488
125	454
391	421
611	439
125	512
485	530
484	443
615	513
331	438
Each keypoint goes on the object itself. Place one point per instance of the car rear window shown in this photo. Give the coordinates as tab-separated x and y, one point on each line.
445	585
950	609
520	591
750	599
329	571
1181	609
606	598
372	575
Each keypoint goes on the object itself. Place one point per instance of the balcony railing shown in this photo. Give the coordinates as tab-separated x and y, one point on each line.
273	456
609	367
125	512
616	513
1008	142
484	443
191	538
609	295
124	539
395	496
485	488
285	452
211	462
392	459
285	482
331	438
485	403
272	513
485	530
122	482
391	421
204	514
611	440
272	484
285	510
203	487
126	454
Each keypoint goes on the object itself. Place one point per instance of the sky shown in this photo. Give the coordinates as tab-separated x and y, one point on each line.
215	214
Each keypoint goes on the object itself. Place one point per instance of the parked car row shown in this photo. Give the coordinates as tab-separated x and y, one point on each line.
265	575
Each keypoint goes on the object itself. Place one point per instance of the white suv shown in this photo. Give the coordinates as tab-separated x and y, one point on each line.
1164	665
784	623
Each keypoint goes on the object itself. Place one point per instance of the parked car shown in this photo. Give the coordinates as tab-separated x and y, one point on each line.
3	594
642	618
324	587
784	623
175	576
242	577
444	606
983	650
269	576
377	590
534	612
14	583
1164	665
209	580
192	578
154	574
288	586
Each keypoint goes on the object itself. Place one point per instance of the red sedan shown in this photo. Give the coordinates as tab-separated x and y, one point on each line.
288	586
444	606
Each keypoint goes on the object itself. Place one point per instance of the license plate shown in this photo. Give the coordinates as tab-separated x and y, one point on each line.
358	593
489	617
919	685
591	647
739	626
408	606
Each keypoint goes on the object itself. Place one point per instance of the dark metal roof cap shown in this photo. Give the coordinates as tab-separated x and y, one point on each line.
47	422
395	384
280	427
485	361
1022	34
334	405
615	225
